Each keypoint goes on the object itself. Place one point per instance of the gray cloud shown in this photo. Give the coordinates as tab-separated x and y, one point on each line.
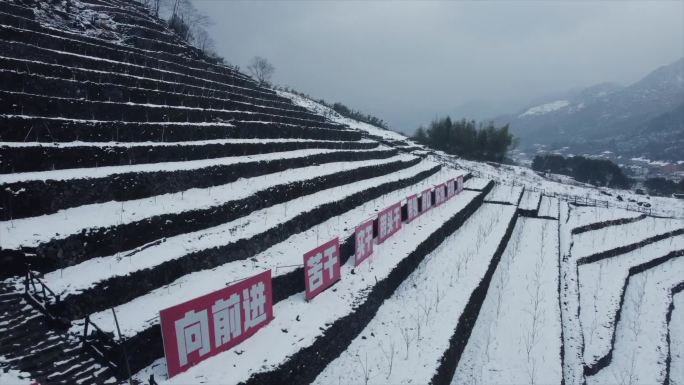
409	61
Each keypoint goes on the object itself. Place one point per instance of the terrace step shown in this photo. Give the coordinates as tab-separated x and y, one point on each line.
22	83
83	46
35	156
62	81
45	129
59	71
24	51
25	44
60	189
35	347
13	103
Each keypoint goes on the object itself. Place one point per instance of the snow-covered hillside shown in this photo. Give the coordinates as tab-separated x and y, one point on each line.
545	108
136	175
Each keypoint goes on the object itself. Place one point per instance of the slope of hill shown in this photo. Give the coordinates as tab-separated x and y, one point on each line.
134	175
638	120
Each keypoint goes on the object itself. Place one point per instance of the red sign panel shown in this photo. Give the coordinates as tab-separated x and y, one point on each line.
412	207
426	200
451	188
440	194
389	222
321	268
363	237
460	184
205	326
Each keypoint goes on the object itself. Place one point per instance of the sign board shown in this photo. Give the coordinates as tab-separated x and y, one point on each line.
205	326
389	222
426	200
451	188
440	194
363	242
412	208
321	268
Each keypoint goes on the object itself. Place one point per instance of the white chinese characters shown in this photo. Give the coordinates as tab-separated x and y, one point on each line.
192	334
321	267
325	260
363	242
227	323
389	222
204	326
412	207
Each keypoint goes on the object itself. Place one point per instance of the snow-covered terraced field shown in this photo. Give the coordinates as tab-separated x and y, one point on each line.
72	280
585	216
601	286
530	201
141	312
410	332
29	232
258	355
598	241
517	337
640	348
504	194
476	183
137	173
548	207
572	191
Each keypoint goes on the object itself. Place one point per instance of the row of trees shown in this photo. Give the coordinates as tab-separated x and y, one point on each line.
467	138
665	187
599	172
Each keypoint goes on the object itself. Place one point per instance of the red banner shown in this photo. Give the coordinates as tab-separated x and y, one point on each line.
459	181
412	207
426	200
363	237
451	188
321	268
205	326
440	194
389	222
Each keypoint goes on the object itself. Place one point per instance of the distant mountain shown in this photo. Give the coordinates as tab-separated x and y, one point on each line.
644	118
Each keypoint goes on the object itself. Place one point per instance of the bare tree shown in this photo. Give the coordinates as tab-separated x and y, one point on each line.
203	41
389	356
261	69
186	20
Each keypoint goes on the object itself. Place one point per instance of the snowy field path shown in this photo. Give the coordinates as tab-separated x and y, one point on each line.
517	336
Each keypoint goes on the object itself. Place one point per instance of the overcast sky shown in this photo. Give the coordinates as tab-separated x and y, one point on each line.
408	61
